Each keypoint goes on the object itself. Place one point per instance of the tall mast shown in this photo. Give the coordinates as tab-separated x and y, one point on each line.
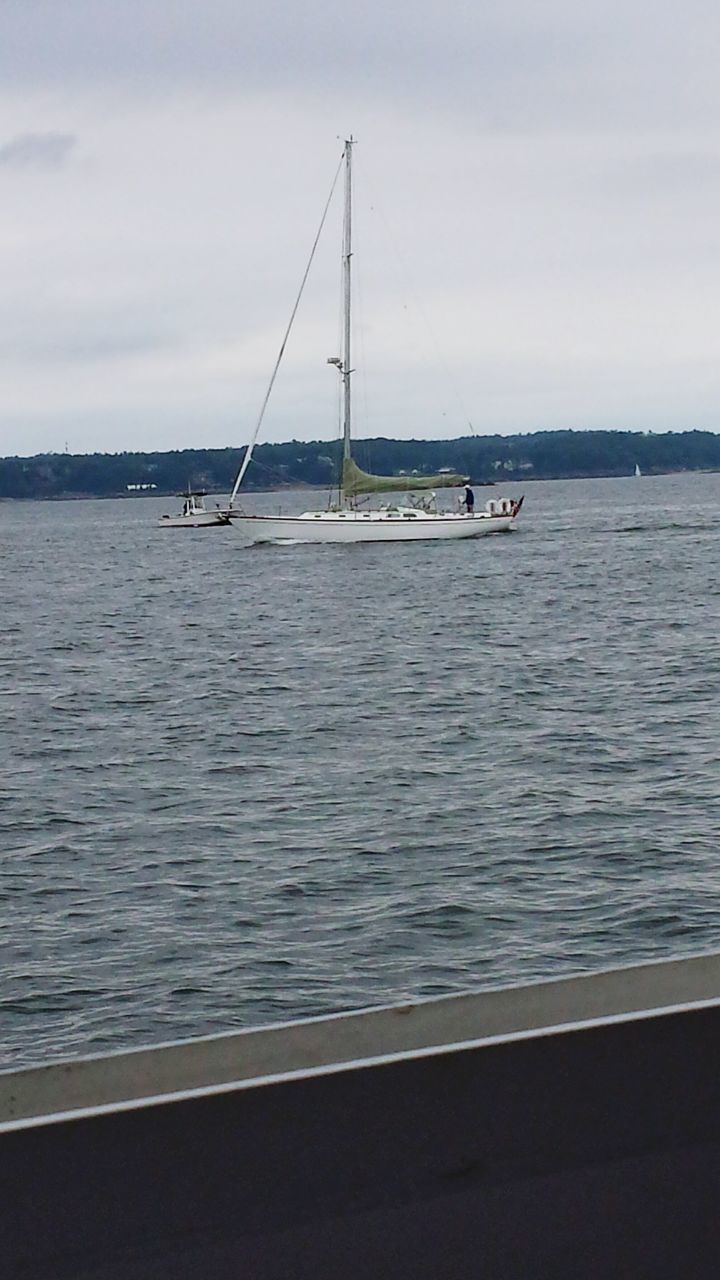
347	254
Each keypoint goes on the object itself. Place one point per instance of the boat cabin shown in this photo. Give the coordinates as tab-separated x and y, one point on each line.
193	504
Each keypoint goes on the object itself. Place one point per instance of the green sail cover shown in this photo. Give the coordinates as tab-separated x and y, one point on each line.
355	481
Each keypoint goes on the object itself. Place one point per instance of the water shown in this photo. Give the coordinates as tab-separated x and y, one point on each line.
242	785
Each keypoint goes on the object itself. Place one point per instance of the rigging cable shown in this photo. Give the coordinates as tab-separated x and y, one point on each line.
410	286
253	439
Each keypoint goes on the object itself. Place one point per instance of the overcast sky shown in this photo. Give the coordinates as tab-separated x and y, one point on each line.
537	217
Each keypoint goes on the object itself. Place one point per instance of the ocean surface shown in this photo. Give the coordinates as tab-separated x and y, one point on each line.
240	785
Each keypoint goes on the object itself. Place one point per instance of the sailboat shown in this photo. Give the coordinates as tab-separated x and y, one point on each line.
638	472
349	521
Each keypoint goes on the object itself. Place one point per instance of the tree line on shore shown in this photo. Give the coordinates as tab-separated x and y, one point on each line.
540	455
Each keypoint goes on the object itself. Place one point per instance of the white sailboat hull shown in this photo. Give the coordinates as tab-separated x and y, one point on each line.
366	527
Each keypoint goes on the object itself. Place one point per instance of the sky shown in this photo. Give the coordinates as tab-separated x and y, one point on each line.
536	218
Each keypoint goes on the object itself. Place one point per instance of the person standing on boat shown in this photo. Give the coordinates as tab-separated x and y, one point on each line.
469	500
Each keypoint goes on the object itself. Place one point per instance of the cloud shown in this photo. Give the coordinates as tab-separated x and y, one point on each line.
537	229
37	151
598	64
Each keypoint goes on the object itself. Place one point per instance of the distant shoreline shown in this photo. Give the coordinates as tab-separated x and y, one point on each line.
167	495
315	465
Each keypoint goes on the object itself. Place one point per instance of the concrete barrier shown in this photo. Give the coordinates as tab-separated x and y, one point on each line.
577	1135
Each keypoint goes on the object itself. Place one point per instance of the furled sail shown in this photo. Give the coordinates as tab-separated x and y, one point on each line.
355	481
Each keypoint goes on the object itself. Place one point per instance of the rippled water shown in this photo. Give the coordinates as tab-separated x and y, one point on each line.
244	784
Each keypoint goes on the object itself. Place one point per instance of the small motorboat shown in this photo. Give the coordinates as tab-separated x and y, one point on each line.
194	514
